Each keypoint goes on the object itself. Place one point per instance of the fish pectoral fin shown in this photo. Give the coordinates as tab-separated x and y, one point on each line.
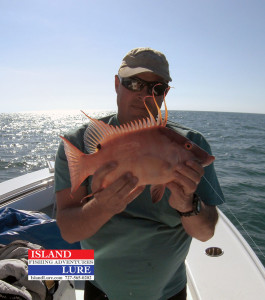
157	192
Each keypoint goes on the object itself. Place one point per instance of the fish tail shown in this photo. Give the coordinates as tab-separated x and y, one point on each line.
76	162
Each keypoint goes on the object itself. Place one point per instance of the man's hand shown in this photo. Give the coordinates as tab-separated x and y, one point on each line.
115	197
187	178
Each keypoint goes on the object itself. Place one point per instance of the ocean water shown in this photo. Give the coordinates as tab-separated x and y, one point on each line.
28	140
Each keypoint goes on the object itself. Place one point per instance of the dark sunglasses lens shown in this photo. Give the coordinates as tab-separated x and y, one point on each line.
132	84
160	89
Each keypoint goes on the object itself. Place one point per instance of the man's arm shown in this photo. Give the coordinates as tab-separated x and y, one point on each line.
201	226
79	220
187	178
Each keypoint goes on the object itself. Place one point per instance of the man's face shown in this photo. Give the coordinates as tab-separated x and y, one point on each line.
131	104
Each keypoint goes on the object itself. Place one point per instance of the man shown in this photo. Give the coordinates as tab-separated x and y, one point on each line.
140	247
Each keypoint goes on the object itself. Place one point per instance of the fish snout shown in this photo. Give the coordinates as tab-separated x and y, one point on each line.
210	159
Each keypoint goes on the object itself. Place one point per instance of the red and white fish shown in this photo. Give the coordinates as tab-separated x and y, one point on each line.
146	148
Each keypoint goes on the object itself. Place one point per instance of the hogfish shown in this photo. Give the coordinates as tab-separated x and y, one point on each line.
146	148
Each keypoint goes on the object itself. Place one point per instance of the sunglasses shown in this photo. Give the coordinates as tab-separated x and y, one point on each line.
135	84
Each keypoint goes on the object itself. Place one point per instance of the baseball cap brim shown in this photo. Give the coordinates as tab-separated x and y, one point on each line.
129	72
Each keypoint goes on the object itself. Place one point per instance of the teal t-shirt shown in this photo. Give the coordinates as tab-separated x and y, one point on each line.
140	253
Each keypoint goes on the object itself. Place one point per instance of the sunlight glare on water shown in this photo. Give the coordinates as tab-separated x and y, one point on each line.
29	139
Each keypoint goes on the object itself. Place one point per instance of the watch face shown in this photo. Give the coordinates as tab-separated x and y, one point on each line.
197	204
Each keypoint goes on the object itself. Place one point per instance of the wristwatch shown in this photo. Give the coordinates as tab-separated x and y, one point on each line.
196	207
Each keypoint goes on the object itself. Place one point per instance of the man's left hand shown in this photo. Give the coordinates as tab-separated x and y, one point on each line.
187	178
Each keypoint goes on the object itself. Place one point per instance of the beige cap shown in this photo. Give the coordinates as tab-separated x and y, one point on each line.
141	60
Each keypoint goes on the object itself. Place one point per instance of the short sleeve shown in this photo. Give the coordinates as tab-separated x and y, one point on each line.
62	175
209	188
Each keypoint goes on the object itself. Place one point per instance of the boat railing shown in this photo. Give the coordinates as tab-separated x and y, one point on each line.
26	185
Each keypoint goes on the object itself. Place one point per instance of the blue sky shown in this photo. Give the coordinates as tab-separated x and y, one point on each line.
64	54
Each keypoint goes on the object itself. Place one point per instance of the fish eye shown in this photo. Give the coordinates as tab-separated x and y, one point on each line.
188	146
98	146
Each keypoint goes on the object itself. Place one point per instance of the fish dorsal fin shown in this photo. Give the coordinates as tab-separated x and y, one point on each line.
164	122
152	119
97	131
160	121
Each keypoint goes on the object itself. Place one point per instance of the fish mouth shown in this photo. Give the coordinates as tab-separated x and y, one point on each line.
210	159
205	162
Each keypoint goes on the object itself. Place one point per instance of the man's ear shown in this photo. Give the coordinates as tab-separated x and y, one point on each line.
117	83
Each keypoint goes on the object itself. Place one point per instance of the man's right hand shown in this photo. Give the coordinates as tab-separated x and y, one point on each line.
115	197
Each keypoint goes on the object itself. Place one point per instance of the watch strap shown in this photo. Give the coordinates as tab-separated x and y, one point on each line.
196	205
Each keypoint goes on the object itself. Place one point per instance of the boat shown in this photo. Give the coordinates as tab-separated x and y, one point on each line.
223	268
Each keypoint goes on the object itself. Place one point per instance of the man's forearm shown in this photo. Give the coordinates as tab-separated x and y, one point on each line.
82	222
201	226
